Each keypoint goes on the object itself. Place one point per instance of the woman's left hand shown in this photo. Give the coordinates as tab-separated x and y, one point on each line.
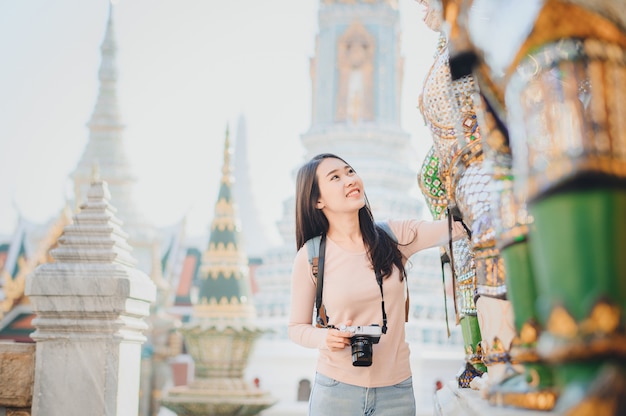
337	340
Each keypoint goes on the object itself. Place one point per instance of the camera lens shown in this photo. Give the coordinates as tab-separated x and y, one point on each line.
361	351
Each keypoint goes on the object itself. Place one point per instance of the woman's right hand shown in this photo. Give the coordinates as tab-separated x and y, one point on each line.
337	340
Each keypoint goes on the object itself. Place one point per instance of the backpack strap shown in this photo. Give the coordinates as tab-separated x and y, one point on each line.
385	226
321	319
313	245
316	248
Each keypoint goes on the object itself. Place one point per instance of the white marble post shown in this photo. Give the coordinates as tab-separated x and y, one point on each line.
90	305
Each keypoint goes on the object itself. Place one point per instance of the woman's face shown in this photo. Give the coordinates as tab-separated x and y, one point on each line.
341	189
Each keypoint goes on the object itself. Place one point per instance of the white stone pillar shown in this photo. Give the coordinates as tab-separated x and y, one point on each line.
90	305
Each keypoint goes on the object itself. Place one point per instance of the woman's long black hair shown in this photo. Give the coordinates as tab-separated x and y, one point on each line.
310	221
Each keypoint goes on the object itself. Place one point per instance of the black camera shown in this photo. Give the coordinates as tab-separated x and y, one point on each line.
362	341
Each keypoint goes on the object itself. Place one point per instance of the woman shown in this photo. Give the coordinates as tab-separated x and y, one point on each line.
331	201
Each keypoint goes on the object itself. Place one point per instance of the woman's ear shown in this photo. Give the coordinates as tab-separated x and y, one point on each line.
319	204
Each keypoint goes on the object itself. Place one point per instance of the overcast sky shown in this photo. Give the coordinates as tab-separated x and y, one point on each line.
187	70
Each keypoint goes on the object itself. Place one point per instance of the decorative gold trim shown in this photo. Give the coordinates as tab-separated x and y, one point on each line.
523	354
561	323
497	353
533	400
604	318
529	332
598	335
472	357
560	20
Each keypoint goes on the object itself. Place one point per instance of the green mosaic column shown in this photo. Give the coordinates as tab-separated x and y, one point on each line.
528	383
533	388
566	102
581	247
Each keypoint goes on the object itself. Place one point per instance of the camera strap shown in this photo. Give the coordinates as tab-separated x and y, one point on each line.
379	280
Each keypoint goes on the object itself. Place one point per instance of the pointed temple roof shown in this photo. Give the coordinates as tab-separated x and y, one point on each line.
30	247
96	234
256	242
105	147
225	293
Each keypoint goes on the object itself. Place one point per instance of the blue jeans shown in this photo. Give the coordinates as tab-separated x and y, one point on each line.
330	397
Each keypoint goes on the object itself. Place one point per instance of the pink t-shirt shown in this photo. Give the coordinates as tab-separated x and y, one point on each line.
351	292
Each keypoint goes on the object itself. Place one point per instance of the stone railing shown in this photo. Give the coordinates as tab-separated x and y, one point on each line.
17	376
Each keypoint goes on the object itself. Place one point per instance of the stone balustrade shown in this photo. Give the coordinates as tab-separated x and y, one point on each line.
17	376
90	303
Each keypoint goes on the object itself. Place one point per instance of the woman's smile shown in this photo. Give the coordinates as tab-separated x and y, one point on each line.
353	193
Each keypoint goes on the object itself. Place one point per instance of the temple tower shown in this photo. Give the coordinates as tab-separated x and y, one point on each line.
222	330
356	80
156	250
256	240
105	152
